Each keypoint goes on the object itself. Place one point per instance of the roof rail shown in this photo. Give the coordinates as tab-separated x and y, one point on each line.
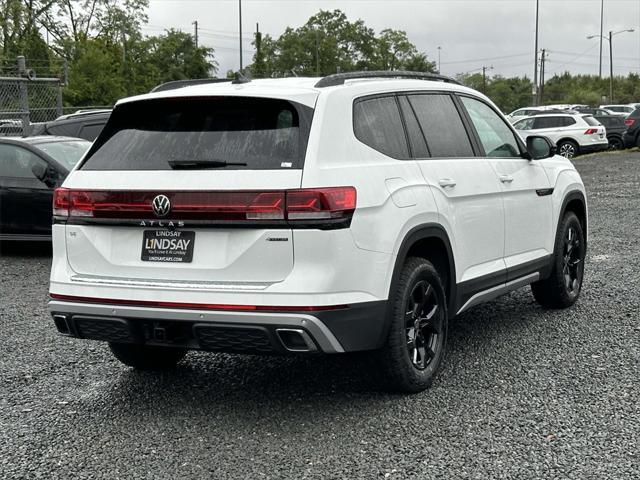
340	78
187	83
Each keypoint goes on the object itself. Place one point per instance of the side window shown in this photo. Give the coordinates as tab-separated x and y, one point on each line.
416	137
568	121
496	137
90	132
17	162
526	124
377	123
546	122
442	126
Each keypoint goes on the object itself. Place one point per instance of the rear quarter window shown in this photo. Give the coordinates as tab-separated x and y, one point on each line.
245	133
377	123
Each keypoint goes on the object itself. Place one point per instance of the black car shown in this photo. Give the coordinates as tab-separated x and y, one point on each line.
30	168
631	137
596	112
615	128
82	124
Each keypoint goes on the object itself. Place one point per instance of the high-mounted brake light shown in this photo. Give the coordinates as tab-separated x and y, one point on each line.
591	131
629	121
301	207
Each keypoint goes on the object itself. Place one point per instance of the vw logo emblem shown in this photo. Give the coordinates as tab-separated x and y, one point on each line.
161	205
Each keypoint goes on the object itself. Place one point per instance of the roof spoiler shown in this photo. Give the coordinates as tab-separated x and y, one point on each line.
340	78
187	83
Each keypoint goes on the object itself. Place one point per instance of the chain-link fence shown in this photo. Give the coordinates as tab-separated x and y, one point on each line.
25	100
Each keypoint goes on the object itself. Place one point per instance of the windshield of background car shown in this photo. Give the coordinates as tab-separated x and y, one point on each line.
67	153
233	132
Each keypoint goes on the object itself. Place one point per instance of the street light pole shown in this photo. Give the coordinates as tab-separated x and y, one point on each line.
610	40
240	25
601	26
535	61
439	70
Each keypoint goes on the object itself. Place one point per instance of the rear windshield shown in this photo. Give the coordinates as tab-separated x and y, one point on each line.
591	121
212	132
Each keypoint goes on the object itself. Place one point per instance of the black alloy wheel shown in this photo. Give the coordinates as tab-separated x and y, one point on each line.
423	325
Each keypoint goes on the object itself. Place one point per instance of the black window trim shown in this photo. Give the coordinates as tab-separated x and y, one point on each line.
483	154
415	116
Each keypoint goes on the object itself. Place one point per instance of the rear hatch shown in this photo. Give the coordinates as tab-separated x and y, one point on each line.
187	190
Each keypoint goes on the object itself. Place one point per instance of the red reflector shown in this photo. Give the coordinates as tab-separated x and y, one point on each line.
629	121
61	202
195	306
591	131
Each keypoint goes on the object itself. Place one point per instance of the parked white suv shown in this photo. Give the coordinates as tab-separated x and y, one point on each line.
359	211
573	134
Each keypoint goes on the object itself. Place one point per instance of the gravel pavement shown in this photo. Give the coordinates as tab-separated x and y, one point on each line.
525	393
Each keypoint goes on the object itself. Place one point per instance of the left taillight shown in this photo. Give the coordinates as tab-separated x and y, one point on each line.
591	131
61	202
321	204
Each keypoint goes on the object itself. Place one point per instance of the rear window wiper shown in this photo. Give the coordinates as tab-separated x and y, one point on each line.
202	164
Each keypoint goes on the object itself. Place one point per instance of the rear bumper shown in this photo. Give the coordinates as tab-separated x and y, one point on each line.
629	139
354	328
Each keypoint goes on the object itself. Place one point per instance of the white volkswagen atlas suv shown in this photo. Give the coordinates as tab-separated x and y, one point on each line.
356	212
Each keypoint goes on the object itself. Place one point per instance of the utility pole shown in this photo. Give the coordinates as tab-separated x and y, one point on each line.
543	59
439	70
195	37
610	65
601	26
484	78
317	53
535	61
240	25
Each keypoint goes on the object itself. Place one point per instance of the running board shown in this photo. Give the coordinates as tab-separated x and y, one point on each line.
499	290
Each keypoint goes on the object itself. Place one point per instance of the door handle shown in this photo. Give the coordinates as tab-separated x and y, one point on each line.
447	182
506	178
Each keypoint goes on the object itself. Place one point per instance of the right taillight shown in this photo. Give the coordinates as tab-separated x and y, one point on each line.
321	203
629	121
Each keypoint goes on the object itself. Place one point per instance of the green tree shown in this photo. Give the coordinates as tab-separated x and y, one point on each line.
176	57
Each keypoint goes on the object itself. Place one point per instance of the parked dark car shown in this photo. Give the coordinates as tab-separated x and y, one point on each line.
615	128
82	124
631	136
30	169
596	112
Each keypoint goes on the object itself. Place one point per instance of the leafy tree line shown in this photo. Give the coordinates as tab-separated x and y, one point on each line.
515	92
328	43
100	45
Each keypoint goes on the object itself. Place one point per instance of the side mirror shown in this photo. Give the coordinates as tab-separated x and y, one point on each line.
539	147
39	171
45	174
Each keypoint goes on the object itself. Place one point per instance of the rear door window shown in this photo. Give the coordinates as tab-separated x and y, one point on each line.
377	123
225	132
547	122
442	126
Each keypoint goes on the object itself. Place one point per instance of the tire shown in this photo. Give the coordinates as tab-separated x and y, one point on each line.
568	148
144	357
562	288
410	357
615	143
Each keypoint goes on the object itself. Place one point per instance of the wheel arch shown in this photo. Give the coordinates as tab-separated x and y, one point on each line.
575	202
568	139
429	241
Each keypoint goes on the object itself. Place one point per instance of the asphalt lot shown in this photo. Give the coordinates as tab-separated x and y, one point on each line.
525	393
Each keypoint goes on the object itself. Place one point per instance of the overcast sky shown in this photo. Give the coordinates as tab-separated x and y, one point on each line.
472	33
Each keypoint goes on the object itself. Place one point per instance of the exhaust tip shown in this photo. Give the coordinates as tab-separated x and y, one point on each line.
296	340
61	324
